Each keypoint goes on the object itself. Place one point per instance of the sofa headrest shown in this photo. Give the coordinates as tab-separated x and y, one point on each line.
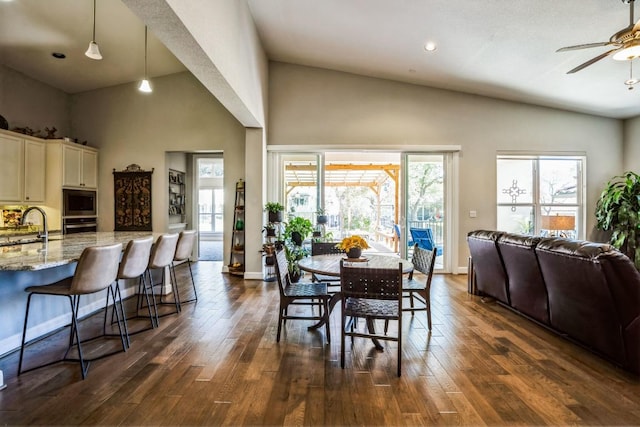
577	248
519	240
484	235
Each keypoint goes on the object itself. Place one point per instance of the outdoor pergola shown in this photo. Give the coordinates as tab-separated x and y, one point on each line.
369	175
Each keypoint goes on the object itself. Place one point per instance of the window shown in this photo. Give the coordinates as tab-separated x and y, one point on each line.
540	195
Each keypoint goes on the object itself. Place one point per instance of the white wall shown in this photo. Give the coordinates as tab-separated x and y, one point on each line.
25	102
310	106
632	145
131	127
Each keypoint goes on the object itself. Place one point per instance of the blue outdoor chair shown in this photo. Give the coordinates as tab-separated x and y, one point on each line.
424	238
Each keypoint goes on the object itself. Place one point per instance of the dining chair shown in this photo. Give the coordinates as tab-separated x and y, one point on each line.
133	265
423	260
301	293
161	257
96	270
184	247
372	294
325	248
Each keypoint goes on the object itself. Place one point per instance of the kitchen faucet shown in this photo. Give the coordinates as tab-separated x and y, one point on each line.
45	229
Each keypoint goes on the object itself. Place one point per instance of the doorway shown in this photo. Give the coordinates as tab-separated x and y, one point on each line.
209	180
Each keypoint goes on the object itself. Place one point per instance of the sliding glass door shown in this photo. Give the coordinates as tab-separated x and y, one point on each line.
392	199
425	213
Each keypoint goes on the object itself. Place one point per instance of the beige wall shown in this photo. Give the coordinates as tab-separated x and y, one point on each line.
632	145
130	127
310	106
25	102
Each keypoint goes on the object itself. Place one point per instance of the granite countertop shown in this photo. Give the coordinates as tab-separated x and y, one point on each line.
60	250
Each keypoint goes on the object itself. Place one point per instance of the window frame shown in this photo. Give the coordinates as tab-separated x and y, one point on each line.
536	204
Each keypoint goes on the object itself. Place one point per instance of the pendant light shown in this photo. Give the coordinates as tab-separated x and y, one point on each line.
144	84
93	52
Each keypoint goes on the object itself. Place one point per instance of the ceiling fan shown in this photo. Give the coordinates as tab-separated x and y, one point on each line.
626	42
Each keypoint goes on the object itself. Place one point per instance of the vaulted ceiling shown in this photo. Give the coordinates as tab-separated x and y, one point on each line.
497	48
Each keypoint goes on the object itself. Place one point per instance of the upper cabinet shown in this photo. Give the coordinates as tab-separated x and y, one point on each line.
22	165
79	166
34	171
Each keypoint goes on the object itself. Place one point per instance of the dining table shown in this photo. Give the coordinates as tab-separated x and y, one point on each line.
329	265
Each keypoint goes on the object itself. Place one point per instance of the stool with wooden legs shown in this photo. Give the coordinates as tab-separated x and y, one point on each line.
184	248
96	270
161	257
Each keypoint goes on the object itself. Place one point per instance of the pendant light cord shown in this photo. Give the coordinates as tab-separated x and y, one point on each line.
93	38
145	52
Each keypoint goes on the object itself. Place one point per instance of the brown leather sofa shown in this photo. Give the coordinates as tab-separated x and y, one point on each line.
588	292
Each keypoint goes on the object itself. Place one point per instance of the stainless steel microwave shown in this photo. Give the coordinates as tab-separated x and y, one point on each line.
79	202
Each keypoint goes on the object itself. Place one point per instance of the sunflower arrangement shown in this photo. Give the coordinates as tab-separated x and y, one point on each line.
352	242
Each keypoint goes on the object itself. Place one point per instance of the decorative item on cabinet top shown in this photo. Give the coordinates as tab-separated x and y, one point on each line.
132	199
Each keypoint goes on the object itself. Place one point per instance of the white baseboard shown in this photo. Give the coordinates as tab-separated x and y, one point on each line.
252	275
463	270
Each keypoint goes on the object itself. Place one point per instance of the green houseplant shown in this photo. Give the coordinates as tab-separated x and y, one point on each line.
297	230
275	211
618	210
294	253
321	217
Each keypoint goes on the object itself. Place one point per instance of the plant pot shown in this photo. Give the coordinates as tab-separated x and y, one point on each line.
354	253
271	232
269	260
275	216
322	219
296	238
294	276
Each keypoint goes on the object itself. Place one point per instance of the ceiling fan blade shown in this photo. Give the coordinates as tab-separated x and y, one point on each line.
592	61
582	46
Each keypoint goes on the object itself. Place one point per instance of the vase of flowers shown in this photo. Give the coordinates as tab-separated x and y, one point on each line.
353	246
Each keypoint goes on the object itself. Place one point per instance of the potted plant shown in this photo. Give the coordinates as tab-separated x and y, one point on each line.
618	210
270	230
269	250
321	218
275	211
294	253
297	230
353	246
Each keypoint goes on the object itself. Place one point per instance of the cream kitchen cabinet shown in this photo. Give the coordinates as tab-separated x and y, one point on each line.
22	167
34	171
79	166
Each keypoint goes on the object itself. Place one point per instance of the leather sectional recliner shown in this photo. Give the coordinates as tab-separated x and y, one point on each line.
587	292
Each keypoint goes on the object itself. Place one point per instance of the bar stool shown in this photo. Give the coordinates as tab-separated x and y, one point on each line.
133	265
96	270
184	248
162	254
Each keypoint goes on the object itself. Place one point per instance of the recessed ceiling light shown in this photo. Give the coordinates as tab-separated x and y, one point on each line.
58	55
430	46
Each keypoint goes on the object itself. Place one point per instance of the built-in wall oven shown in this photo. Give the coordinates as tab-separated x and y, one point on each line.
79	212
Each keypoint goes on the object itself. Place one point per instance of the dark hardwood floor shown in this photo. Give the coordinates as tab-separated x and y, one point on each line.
218	363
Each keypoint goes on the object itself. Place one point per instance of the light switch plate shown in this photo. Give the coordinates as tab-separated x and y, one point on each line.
473	214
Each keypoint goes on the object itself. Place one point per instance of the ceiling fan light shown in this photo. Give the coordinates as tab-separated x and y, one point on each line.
145	86
93	51
628	53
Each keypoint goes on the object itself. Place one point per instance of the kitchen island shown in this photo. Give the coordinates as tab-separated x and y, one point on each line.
39	263
58	250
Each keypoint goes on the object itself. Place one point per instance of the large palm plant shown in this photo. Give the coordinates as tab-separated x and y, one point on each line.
618	210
